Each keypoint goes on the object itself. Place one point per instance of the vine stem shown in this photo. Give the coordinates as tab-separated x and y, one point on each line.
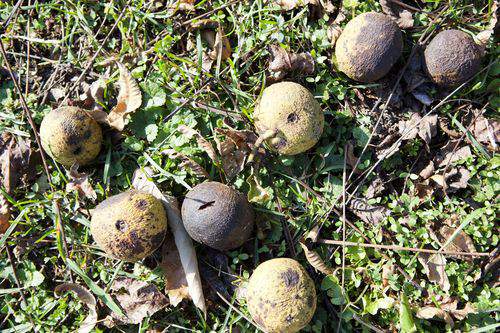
269	134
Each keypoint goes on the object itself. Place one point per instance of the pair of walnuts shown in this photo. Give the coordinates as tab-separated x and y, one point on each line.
371	43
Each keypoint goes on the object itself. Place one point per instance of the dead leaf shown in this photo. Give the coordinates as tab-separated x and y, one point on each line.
375	188
235	149
221	47
86	298
18	162
197	169
425	128
314	259
292	4
351	159
129	99
461	243
368	213
334	31
203	144
457	178
175	279
402	16
93	96
446	155
486	131
4	214
387	272
434	267
182	240
428	171
183	5
256	192
430	312
284	62
424	191
138	299
80	182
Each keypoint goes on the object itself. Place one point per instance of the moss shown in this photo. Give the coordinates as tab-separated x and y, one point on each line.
451	58
281	296
218	216
129	225
368	47
292	110
71	136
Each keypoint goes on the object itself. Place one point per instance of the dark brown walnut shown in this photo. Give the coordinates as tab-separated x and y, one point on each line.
218	216
130	225
369	46
451	58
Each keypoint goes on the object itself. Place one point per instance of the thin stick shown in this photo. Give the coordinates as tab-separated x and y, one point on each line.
260	140
343	233
16	279
402	248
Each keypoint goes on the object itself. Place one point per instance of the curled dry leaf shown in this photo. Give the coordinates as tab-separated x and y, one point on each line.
221	47
129	99
429	312
449	154
425	128
486	131
138	299
183	242
80	182
234	149
315	260
4	214
175	278
434	267
283	62
402	16
368	213
460	243
256	193
93	96
86	298
18	162
203	144
197	169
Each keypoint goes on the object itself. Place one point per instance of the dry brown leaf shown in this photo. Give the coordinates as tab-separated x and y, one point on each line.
284	62
4	214
424	191
221	46
429	312
387	272
461	243
18	162
175	279
457	178
368	213
425	128
351	159
334	31
402	16
80	182
428	171
138	299
197	169
129	99
486	131
93	96
256	193
292	4
203	144
86	297
235	149
434	267
183	5
447	155
183	242
314	259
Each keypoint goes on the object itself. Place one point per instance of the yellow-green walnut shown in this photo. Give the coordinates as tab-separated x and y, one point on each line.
281	296
291	111
368	47
71	136
130	225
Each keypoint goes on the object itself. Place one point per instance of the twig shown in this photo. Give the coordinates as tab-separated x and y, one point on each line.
343	232
16	279
260	140
402	248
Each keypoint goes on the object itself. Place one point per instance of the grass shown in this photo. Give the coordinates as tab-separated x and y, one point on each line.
154	44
